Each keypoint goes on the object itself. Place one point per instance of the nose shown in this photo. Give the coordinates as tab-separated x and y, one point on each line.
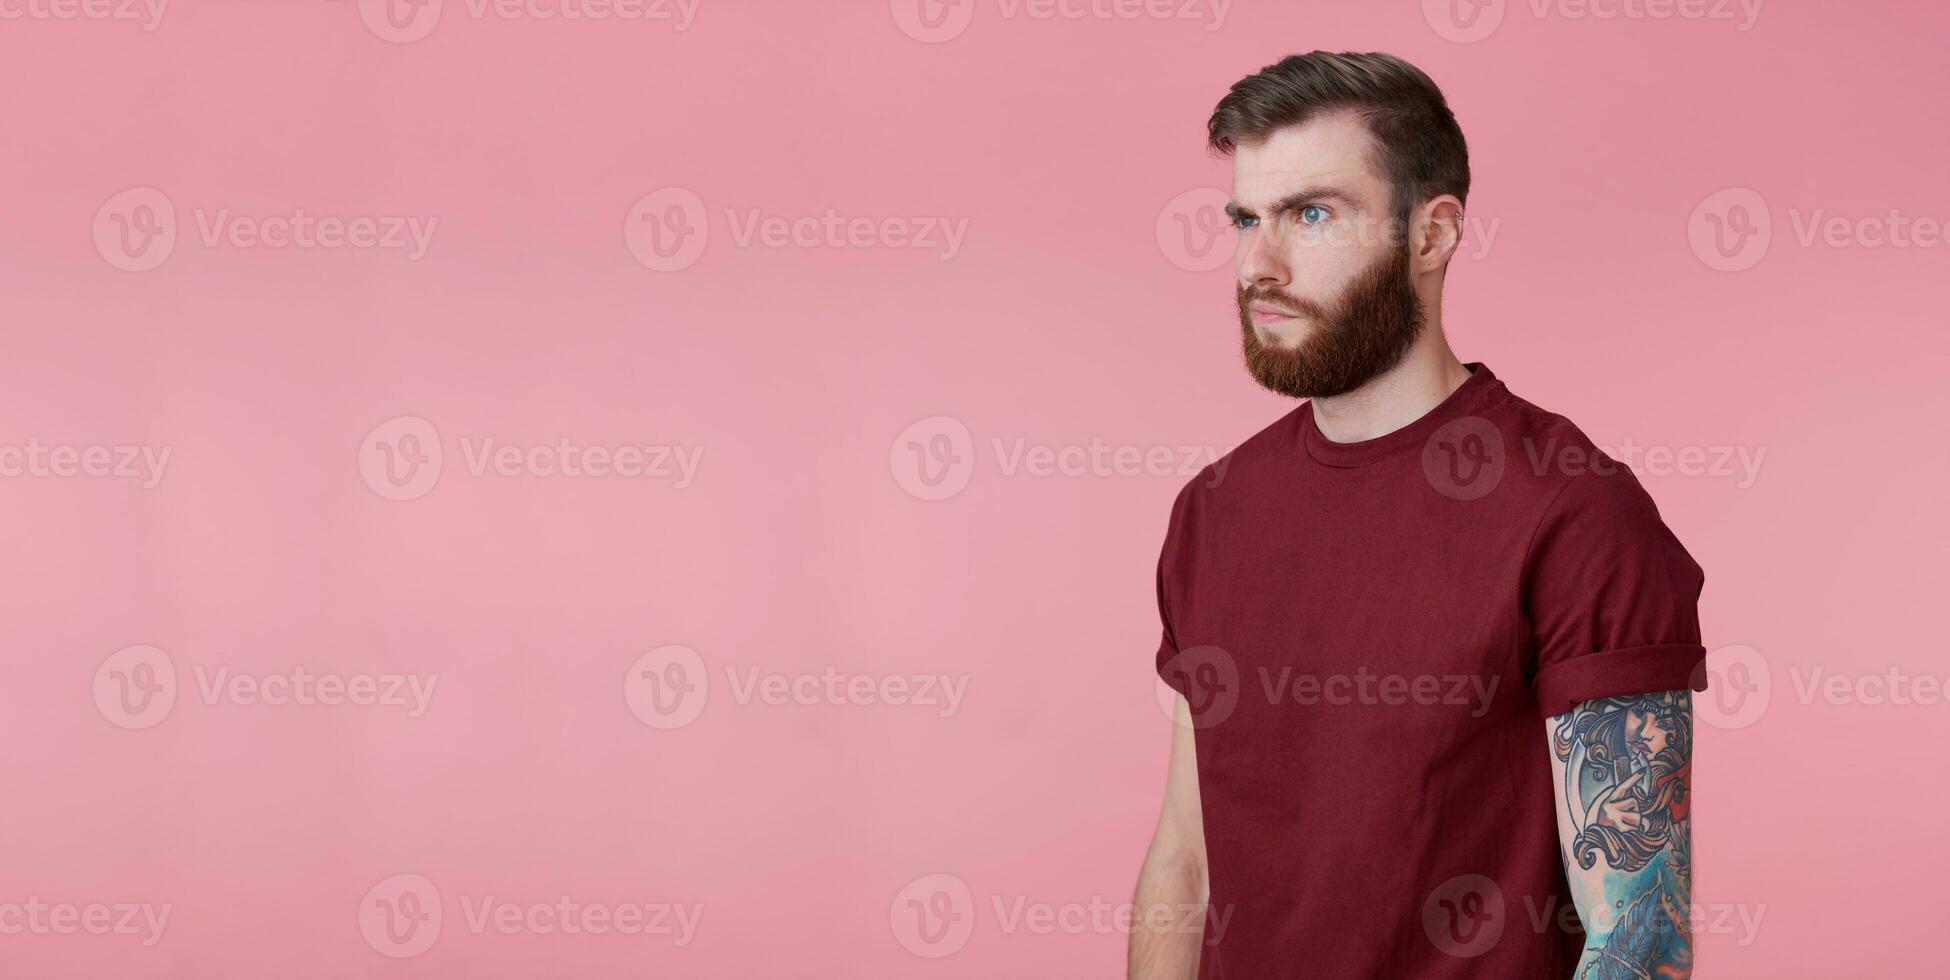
1260	263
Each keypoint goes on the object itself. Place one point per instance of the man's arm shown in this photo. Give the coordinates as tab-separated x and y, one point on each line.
1168	923
1624	776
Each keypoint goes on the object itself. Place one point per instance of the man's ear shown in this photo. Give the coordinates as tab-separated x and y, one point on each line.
1435	232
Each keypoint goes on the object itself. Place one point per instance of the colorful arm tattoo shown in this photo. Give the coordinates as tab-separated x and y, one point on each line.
1624	769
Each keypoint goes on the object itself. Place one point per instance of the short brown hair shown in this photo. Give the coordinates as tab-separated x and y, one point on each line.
1418	146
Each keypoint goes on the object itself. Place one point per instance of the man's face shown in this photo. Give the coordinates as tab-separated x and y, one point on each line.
1325	292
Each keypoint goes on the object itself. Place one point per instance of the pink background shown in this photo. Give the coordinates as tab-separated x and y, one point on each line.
1069	313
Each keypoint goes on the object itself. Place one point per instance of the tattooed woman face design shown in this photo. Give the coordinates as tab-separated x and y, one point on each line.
1629	761
1643	732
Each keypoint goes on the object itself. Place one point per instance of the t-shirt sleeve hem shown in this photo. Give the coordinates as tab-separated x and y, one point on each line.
1613	673
1163	661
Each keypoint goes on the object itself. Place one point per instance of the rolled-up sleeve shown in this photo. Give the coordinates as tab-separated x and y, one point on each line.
1611	598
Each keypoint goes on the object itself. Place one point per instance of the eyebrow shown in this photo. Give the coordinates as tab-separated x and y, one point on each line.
1293	202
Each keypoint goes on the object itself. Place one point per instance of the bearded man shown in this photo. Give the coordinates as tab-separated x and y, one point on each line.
1332	803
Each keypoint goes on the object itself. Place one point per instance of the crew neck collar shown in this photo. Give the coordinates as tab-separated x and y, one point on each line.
1412	435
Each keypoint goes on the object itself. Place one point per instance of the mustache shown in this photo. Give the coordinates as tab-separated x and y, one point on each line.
1278	298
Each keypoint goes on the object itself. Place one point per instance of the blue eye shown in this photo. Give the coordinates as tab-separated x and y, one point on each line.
1244	221
1313	214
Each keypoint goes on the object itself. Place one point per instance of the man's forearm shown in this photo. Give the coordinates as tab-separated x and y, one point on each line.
1624	769
1168	921
1636	924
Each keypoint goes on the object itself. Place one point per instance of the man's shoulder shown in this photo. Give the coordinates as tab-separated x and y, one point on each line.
1551	457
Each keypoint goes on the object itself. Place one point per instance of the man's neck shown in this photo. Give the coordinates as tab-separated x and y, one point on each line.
1394	398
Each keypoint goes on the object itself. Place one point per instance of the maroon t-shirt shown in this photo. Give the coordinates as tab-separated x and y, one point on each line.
1371	636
